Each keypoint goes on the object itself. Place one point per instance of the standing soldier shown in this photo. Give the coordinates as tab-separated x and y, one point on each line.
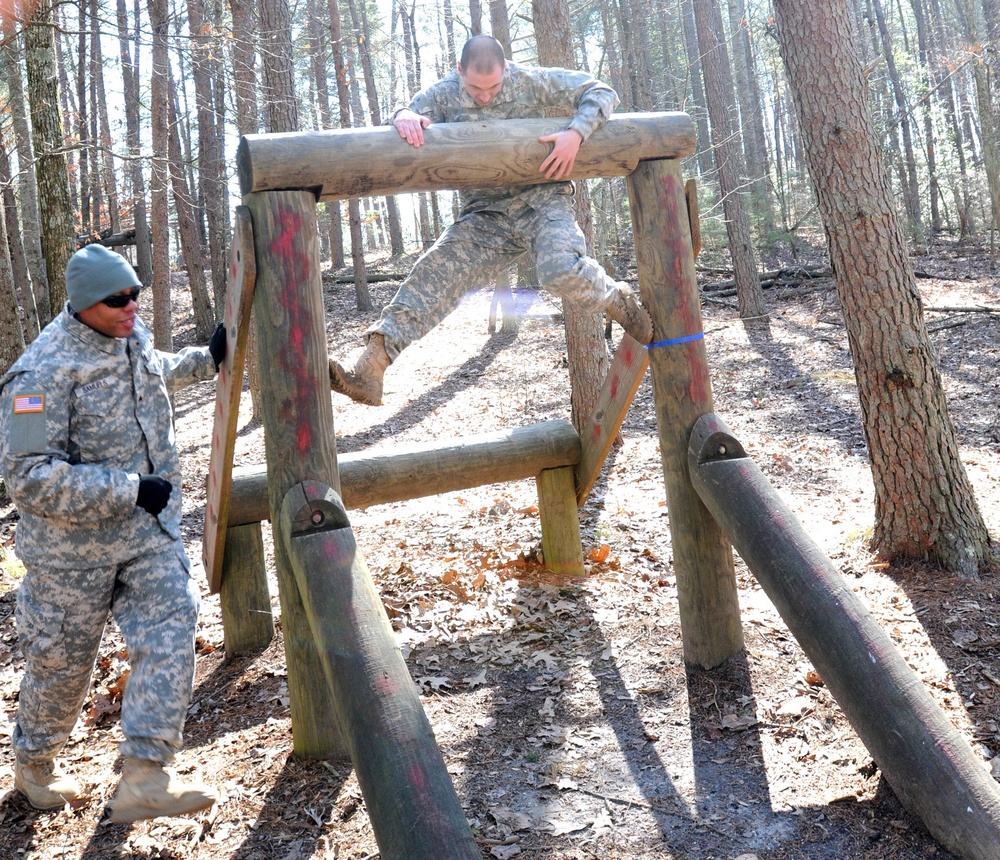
89	458
496	226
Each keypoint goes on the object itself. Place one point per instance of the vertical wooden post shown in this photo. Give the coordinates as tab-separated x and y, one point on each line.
561	546
247	623
298	426
682	392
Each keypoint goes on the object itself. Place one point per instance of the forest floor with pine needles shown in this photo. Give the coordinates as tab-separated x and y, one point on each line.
563	708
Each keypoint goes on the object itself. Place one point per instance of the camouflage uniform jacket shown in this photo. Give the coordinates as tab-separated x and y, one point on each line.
83	415
526	92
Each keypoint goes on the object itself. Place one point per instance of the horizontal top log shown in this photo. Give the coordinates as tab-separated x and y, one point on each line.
428	469
358	162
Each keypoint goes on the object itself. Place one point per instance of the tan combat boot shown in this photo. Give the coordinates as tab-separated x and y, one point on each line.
364	382
625	310
45	785
148	791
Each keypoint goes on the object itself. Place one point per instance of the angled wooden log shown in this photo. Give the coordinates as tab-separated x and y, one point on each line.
925	759
341	163
236	319
411	801
613	401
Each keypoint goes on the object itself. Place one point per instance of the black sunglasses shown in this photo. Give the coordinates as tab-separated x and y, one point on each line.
121	300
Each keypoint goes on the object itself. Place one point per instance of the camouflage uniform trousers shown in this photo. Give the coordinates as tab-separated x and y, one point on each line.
61	615
479	245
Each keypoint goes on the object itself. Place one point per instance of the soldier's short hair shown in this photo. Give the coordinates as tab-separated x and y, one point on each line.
482	54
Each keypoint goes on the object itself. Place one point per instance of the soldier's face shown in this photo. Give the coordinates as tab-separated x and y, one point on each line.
111	322
482	86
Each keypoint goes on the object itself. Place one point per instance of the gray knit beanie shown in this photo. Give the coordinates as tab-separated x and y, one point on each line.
94	273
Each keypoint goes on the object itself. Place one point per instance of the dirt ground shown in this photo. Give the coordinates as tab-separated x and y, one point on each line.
565	713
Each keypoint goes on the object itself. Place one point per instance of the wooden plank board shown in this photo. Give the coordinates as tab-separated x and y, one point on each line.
228	384
613	402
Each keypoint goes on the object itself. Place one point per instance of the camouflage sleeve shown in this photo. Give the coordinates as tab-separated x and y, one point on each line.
36	465
431	101
180	369
592	101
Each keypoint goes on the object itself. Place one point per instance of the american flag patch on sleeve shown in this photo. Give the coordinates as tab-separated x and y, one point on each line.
28	403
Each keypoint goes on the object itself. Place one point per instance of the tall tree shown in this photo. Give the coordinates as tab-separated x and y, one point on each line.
731	170
191	246
362	36
751	114
101	127
11	55
362	293
128	52
911	188
585	349
988	130
281	108
159	22
924	503
696	83
51	173
11	334
211	177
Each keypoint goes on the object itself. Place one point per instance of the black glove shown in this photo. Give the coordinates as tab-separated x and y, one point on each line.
217	345
154	493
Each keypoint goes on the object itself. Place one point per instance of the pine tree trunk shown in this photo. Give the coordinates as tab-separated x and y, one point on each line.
191	246
159	176
362	293
696	79
129	57
911	187
924	504
363	38
11	333
585	348
751	115
210	174
19	267
27	187
55	208
726	138
103	158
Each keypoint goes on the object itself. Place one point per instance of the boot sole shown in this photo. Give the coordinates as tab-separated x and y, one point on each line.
142	814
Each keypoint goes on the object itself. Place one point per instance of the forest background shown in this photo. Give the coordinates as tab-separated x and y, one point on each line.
120	125
122	121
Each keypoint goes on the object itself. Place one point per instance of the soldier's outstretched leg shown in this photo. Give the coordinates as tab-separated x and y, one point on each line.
363	382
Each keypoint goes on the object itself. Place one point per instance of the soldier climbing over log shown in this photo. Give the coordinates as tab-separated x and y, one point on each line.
496	226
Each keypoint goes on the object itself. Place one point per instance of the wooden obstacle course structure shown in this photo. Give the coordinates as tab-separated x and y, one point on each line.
298	417
282	176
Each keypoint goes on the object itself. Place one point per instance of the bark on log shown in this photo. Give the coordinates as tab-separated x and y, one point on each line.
412	472
414	811
682	392
340	163
928	763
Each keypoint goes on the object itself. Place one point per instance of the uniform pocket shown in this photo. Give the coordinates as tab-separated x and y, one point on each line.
40	632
